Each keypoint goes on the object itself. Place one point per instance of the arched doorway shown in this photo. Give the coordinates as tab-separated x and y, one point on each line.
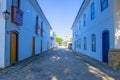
105	45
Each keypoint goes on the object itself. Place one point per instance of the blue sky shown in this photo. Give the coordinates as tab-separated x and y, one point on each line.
61	14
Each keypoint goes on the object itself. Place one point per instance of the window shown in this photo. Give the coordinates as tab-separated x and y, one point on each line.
79	43
93	42
104	4
36	19
84	20
79	25
92	7
42	30
16	3
37	26
85	43
76	44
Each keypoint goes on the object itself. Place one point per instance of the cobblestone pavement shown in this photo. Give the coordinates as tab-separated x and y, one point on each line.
59	64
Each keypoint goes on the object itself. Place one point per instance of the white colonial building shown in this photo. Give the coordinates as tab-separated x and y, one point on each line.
96	28
53	42
24	31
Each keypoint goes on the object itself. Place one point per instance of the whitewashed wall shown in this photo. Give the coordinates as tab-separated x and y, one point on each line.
25	32
2	33
103	21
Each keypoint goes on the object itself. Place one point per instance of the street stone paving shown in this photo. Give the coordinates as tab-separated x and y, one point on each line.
60	64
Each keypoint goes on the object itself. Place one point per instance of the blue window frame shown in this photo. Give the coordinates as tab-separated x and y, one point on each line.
104	4
85	43
92	8
93	42
84	20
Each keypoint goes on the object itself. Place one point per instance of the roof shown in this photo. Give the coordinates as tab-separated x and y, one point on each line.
80	12
41	12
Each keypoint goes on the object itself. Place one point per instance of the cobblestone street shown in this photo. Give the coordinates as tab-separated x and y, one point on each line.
59	64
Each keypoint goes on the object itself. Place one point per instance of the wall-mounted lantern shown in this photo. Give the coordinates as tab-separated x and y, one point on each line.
6	15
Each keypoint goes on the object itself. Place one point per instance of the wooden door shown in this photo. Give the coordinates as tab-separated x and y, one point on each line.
33	46
14	48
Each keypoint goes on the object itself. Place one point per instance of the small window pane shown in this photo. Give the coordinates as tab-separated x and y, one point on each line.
84	20
104	4
93	43
92	11
85	43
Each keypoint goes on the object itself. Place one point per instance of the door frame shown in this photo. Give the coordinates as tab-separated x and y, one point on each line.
17	40
108	40
33	46
41	45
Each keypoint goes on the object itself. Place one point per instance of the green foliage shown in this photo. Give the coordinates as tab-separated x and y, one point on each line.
59	40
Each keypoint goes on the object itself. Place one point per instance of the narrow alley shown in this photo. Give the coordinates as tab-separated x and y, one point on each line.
59	64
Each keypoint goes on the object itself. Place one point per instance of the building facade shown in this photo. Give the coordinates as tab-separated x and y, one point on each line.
96	28
53	42
26	33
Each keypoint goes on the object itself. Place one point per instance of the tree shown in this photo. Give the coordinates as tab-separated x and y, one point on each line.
59	40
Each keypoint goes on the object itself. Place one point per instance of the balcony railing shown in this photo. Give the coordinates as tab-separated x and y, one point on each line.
17	16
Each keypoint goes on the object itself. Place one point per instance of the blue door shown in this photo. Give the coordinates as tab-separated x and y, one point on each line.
105	45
